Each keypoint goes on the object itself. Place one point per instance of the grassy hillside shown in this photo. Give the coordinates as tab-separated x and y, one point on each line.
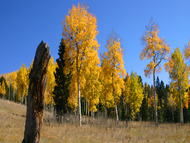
12	121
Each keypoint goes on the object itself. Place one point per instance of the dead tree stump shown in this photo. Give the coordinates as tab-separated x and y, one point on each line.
35	102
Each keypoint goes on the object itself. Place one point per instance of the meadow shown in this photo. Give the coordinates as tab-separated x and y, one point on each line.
98	130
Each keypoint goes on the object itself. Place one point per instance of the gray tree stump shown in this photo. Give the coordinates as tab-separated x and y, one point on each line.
35	102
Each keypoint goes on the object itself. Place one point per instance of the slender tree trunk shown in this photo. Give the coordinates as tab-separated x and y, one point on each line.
13	95
80	118
78	83
16	94
116	112
92	114
181	107
106	112
35	104
9	90
154	92
86	107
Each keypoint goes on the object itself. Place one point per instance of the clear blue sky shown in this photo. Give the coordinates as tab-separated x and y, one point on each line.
23	24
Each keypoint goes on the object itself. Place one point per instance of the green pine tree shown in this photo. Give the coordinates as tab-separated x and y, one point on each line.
61	90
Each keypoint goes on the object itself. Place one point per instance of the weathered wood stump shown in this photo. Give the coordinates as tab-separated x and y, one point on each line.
35	102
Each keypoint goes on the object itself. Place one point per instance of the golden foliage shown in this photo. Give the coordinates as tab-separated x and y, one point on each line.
155	49
91	90
113	71
48	98
22	81
187	51
79	33
2	88
133	94
179	73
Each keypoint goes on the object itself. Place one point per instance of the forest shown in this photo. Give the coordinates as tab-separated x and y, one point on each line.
82	82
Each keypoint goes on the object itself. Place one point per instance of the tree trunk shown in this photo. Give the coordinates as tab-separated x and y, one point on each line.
9	91
86	107
92	114
78	83
35	104
80	119
181	107
25	100
13	95
116	112
154	92
106	112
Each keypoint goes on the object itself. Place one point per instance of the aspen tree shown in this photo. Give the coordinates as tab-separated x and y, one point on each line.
13	77
113	69
79	33
92	88
179	73
2	88
134	93
22	81
156	51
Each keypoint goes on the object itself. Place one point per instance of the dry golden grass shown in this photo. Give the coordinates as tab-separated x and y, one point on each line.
12	121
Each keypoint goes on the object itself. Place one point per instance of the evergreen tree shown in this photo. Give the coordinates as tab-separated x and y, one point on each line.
61	91
144	107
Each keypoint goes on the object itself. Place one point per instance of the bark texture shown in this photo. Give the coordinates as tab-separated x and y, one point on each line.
35	103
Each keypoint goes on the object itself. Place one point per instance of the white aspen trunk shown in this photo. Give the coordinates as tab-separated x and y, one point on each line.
106	113
22	99
116	112
78	82
80	118
86	107
13	95
181	107
9	91
88	110
92	113
154	92
16	94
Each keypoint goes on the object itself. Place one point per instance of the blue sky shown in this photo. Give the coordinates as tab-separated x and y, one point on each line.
23	24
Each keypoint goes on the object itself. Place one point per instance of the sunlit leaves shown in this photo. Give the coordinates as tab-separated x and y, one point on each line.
81	45
187	51
155	49
133	93
113	71
178	72
50	82
2	88
22	81
92	89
